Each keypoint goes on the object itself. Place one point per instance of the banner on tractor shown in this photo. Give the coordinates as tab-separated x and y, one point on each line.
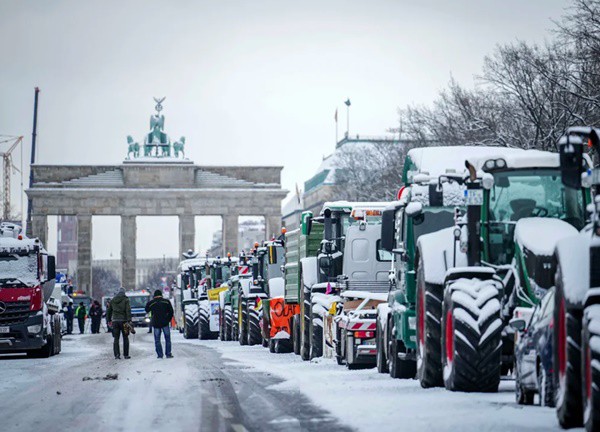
281	315
213	294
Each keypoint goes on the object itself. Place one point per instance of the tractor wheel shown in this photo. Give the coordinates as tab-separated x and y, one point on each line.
243	330
545	387
399	368
589	370
339	346
567	359
305	322
234	326
429	331
271	344
382	365
227	318
190	325
254	334
283	346
316	334
472	335
204	332
296	330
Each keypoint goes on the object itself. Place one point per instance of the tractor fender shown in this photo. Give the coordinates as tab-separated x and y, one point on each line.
573	257
436	251
276	287
309	271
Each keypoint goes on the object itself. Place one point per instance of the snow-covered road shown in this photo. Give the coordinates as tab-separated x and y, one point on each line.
195	391
222	386
369	401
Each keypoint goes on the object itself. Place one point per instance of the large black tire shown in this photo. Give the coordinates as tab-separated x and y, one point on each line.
340	354
243	327
227	322
316	335
382	364
254	334
590	374
398	368
235	334
191	323
296	331
472	336
523	396
204	332
545	386
567	359
305	319
429	331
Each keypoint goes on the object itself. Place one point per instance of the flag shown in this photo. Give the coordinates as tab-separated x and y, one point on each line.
347	102
335	117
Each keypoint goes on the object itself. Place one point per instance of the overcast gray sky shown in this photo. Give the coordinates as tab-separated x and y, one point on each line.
247	82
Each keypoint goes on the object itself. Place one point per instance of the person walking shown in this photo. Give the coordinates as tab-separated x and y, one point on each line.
80	314
117	315
69	315
96	316
162	312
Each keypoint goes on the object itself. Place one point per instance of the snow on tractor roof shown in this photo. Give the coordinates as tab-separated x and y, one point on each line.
540	235
348	206
436	161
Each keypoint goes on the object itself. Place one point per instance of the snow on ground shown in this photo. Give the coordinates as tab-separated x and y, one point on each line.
369	401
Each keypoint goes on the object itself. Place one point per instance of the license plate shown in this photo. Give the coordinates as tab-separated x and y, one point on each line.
4	329
474	197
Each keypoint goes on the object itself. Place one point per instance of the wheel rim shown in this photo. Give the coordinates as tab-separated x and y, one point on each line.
449	338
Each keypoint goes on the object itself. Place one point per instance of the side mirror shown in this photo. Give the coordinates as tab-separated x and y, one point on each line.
518	324
571	161
388	234
325	262
306	222
414	209
51	267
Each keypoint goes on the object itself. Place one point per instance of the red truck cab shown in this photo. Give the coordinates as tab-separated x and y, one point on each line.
28	321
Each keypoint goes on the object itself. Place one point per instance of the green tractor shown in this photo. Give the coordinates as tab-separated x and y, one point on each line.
498	256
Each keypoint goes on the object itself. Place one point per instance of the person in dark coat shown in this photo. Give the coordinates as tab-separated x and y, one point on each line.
108	326
69	315
80	314
117	314
96	316
162	313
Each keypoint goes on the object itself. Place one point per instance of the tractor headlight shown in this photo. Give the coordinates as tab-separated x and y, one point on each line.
487	181
457	232
490	164
500	163
412	323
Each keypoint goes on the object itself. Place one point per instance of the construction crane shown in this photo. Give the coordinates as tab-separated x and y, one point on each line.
8	171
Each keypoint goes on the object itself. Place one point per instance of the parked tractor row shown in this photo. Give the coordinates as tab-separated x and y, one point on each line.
486	265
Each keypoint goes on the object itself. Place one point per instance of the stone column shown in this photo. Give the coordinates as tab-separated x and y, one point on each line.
128	251
187	233
272	226
40	228
230	234
84	253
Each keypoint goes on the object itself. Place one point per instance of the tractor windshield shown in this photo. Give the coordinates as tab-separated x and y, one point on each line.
526	193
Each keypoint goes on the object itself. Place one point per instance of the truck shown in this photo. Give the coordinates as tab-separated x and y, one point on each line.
138	300
497	257
29	320
217	272
191	271
576	315
432	189
348	306
274	315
